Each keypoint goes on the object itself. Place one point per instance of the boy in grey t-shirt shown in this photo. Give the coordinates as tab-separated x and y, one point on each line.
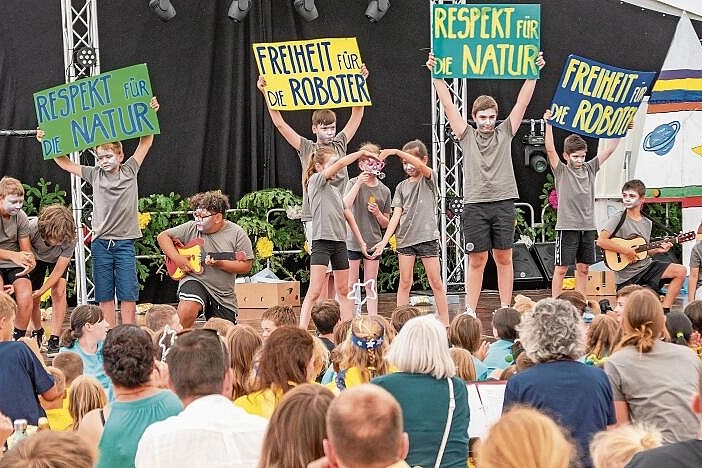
645	271
575	226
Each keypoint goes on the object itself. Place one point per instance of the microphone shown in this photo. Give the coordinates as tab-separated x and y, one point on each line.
11	132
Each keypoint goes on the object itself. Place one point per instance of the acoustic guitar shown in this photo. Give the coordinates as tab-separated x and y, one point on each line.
196	255
616	261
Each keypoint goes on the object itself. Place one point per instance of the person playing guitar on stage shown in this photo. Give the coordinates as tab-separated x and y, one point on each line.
643	271
210	290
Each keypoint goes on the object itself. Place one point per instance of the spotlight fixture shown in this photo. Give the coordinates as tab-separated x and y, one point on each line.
306	9
86	56
163	9
377	9
239	9
534	150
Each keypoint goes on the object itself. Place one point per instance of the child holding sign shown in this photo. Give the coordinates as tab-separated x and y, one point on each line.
115	222
575	225
489	186
414	216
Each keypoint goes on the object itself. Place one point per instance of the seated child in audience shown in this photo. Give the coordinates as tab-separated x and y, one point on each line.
466	332
465	368
400	315
588	309
72	367
679	328
244	345
86	394
523	304
59	417
601	339
694	312
325	315
622	298
160	315
504	323
362	353
614	448
320	359
341	332
220	325
49	448
277	316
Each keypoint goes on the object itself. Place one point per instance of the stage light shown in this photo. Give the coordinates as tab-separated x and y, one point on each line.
239	9
377	9
534	150
86	56
163	9
306	9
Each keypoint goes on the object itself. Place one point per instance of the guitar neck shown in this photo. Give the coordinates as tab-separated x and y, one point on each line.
221	255
656	244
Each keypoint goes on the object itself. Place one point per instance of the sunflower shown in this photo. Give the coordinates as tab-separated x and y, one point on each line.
264	247
144	219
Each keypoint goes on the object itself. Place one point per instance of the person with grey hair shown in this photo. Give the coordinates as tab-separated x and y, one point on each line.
433	399
577	396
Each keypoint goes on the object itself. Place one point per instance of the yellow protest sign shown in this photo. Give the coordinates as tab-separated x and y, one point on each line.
312	74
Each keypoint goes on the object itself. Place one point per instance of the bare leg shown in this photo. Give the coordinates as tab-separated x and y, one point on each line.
559	272
370	271
188	312
505	274
23	297
406	265
474	278
59	306
676	273
127	310
317	281
581	271
108	310
433	269
341	279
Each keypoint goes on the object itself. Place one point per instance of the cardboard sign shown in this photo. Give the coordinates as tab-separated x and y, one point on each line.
112	106
597	100
486	41
314	74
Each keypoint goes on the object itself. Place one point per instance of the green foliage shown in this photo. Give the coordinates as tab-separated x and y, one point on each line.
668	217
35	198
389	274
548	221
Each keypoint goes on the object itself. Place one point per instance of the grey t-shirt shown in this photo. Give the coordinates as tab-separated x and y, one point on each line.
46	253
488	174
231	238
658	387
307	147
12	229
630	226
576	196
696	261
115	201
367	223
418	222
327	208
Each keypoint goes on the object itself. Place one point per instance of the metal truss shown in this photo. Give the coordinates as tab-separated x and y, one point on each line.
80	29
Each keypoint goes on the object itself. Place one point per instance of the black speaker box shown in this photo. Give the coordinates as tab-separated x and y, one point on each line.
544	253
526	273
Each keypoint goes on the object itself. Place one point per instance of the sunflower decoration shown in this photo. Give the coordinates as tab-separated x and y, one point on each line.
393	243
144	219
264	247
306	248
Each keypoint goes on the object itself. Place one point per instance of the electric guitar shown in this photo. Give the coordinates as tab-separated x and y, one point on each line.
193	250
616	261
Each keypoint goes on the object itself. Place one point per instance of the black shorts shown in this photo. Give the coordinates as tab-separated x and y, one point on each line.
651	276
356	255
575	247
325	251
489	225
194	291
9	275
422	250
38	274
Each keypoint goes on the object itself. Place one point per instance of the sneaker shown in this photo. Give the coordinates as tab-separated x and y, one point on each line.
39	335
52	346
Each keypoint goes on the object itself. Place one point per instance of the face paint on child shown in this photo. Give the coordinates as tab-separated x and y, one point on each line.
630	199
409	169
11	204
576	160
204	221
106	161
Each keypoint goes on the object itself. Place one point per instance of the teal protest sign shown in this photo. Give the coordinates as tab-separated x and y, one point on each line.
486	41
108	107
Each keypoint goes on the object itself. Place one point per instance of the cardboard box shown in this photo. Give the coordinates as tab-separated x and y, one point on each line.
265	295
601	283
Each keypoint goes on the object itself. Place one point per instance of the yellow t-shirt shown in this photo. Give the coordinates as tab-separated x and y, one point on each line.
261	403
354	377
59	419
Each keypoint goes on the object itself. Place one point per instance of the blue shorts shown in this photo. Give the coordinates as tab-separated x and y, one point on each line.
114	270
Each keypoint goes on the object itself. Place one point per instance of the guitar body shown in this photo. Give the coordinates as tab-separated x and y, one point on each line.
616	261
192	250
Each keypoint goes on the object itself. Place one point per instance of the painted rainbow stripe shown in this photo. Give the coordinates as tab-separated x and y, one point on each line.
676	90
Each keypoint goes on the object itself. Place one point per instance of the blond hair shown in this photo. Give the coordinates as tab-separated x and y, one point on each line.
56	222
523	304
320	156
8	307
56	449
70	363
59	379
244	343
113	147
11	186
602	336
220	325
370	362
280	315
160	315
320	356
643	321
615	448
465	367
86	395
525	437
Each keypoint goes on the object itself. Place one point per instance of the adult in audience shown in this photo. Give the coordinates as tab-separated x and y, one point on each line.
553	336
210	430
653	381
50	449
524	437
615	447
297	428
437	426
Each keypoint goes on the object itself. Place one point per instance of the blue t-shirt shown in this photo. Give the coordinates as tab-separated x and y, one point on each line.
577	396
93	366
22	378
481	370
496	357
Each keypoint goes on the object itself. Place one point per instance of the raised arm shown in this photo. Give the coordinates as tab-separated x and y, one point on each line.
63	161
290	135
341	163
352	192
524	97
458	125
551	152
408	158
146	141
609	148
356	113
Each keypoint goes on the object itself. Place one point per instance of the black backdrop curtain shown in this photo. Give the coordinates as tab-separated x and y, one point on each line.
216	132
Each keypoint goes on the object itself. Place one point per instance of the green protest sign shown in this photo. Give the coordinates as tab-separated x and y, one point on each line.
112	106
486	41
